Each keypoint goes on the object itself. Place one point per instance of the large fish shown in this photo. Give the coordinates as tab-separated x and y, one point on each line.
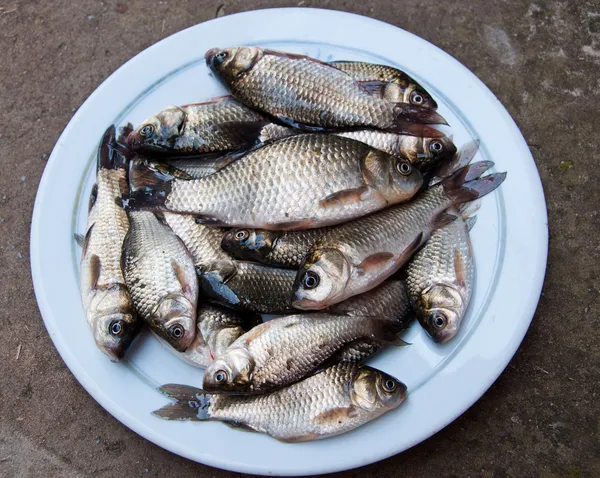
219	124
440	279
307	93
300	182
359	255
107	302
387	82
274	248
339	399
160	274
246	286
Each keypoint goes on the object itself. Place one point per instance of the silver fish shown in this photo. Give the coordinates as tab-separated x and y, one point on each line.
359	255
107	303
159	272
337	400
341	179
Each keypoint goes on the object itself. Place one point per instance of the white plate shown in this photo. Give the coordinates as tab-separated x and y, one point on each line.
510	242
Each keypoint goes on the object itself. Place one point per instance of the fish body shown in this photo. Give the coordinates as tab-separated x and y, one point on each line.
219	124
336	400
388	82
107	302
305	92
246	286
440	280
300	182
159	272
273	248
359	255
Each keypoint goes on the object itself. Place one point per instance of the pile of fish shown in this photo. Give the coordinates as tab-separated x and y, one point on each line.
317	192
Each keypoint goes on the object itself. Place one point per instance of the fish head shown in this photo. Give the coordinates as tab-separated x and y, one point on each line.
175	321
440	309
230	373
417	96
405	180
231	64
114	333
249	244
437	149
375	391
158	133
322	279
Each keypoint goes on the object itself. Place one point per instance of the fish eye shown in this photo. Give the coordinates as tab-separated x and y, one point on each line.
221	55
439	321
147	130
220	376
436	146
176	331
116	328
389	385
404	168
416	98
241	235
310	280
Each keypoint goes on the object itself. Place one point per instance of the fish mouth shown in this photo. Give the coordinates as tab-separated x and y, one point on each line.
115	355
210	55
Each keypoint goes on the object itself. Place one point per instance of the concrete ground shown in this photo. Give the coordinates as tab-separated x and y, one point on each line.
541	58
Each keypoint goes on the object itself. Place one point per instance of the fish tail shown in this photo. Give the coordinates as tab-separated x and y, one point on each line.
191	403
469	209
111	155
385	331
462	158
150	184
417	114
467	184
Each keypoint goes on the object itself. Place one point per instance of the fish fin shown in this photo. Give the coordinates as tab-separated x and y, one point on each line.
374	88
79	239
459	268
191	403
468	209
93	197
374	261
124	248
374	166
109	156
467	173
470	222
345	197
386	331
124	132
417	114
286	121
334	416
95	269
247	132
181	278
443	219
476	188
210	221
86	240
299	225
147	174
461	159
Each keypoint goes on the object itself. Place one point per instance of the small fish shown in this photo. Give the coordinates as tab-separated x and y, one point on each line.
307	93
387	82
160	274
440	279
341	179
286	349
107	302
344	263
422	152
273	248
219	124
247	286
336	400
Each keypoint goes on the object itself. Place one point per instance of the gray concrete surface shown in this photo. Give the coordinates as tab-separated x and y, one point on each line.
542	60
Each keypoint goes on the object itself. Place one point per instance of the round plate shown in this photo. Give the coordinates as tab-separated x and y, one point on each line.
510	242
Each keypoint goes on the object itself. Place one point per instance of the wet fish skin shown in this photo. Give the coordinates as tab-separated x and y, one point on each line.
160	274
341	179
334	401
440	280
274	248
397	85
305	92
348	260
246	286
219	124
107	302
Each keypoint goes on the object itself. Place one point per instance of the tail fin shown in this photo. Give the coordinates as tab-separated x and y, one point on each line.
469	209
145	173
191	403
470	222
384	331
109	157
466	184
461	159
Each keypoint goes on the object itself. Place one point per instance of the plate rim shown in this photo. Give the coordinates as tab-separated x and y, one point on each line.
105	401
